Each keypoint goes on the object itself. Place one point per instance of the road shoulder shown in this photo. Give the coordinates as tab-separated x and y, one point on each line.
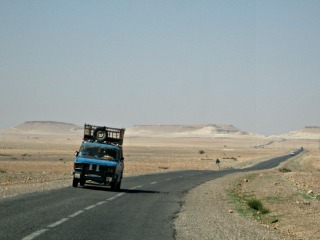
207	213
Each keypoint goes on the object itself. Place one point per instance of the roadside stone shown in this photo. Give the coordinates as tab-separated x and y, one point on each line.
310	191
201	217
306	202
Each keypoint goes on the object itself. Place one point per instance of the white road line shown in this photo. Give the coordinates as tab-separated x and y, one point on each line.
112	198
58	222
88	208
102	202
76	214
153	183
168	179
35	234
41	231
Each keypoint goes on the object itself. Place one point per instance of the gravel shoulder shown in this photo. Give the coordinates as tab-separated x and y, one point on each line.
291	192
208	213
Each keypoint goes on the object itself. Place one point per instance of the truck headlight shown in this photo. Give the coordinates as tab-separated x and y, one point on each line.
77	165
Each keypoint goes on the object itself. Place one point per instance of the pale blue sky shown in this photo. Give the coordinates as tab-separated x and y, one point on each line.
253	64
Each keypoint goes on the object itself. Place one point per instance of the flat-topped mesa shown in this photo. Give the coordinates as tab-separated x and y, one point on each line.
47	127
308	132
311	129
184	130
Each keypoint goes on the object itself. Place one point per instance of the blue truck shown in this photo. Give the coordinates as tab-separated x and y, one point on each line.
100	158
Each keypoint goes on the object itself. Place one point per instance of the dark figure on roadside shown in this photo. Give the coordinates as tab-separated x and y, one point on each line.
218	163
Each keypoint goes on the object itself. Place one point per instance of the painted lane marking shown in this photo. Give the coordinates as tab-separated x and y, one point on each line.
100	203
153	183
90	207
35	234
41	231
168	179
135	187
116	196
112	198
58	222
76	214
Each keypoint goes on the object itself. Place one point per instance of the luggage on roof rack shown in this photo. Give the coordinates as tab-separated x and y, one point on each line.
103	134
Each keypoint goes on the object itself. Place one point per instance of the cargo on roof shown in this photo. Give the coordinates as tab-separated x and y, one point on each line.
103	134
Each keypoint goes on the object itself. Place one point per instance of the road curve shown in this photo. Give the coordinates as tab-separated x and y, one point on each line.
143	209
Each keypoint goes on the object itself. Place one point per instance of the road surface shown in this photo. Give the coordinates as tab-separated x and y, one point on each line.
143	209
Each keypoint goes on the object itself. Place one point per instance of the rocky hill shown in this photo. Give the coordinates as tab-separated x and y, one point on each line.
308	132
47	127
201	130
208	130
205	130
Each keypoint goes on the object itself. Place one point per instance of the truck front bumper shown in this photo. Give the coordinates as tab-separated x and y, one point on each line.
103	178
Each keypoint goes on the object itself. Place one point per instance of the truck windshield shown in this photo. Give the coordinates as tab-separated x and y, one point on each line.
98	153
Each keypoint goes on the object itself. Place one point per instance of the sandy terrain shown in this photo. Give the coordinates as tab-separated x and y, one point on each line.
218	209
36	161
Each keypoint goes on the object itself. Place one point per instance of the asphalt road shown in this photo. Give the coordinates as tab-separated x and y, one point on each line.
143	209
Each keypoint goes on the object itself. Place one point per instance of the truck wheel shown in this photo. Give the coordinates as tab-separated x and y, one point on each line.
82	182
113	186
100	134
75	182
118	187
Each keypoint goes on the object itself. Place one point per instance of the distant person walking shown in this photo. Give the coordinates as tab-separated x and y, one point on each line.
218	163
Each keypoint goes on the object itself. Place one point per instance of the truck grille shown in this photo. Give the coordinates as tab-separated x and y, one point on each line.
93	168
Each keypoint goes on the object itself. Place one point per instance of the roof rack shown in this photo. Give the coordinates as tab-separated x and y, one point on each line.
103	134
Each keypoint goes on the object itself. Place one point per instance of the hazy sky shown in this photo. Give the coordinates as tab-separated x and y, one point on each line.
252	64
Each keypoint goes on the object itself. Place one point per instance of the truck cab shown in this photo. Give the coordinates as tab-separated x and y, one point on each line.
100	157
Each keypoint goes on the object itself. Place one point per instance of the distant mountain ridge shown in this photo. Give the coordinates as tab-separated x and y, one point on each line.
308	132
174	130
46	127
184	130
201	130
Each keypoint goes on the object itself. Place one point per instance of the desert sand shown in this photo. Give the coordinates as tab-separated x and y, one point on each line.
38	156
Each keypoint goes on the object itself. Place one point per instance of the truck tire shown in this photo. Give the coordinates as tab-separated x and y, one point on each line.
82	182
100	134
118	186
113	186
75	182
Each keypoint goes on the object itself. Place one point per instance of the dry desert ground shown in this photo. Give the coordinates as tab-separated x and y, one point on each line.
291	192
